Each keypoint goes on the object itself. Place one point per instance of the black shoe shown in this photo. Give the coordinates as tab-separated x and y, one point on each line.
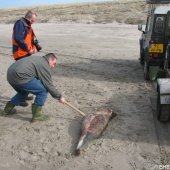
29	98
24	104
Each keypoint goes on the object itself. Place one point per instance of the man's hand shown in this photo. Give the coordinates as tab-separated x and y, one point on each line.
32	51
62	100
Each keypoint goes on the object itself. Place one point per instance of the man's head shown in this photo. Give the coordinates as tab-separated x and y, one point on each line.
31	16
52	60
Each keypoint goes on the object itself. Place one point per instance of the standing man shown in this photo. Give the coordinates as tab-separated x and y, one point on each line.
32	75
23	36
23	40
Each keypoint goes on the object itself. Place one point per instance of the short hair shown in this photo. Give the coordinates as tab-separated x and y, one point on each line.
51	55
30	13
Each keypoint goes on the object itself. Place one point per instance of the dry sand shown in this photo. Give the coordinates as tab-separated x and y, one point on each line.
98	68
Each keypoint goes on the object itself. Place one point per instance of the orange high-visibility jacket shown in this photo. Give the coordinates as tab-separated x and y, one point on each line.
22	38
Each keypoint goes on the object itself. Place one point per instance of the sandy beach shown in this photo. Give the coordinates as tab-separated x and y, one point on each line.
98	68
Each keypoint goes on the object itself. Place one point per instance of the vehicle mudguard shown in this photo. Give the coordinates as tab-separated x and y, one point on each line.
163	85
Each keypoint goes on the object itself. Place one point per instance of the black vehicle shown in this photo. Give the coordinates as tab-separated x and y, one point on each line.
155	37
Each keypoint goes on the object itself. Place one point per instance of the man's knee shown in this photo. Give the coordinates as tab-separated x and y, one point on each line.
43	93
41	98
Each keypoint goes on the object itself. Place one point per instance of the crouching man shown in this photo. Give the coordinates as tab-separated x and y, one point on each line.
32	75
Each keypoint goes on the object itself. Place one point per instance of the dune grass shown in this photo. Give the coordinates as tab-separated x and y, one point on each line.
123	11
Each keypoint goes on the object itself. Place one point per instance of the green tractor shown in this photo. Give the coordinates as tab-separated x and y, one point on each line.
155	38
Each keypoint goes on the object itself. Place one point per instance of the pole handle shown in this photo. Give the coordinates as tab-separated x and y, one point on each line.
74	108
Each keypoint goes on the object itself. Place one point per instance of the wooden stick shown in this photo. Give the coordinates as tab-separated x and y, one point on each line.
74	108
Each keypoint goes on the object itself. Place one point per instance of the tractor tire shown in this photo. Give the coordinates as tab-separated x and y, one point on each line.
146	71
141	58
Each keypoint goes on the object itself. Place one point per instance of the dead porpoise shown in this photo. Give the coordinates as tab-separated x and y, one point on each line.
93	125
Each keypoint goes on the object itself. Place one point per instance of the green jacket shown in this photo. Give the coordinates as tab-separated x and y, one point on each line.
24	70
